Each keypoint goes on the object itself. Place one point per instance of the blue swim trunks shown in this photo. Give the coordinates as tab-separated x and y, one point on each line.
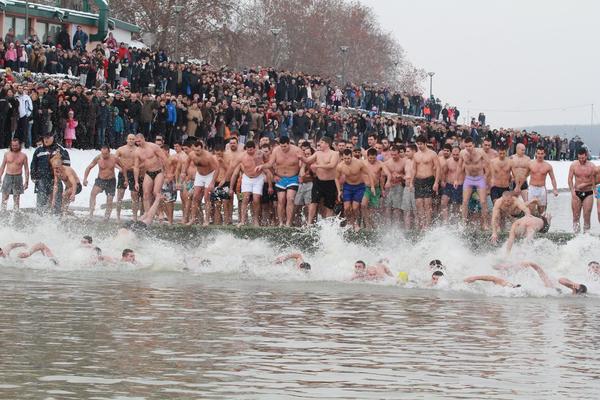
353	193
598	192
287	183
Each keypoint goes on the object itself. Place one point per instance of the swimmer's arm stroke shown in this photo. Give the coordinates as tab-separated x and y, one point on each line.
11	246
88	169
292	256
488	278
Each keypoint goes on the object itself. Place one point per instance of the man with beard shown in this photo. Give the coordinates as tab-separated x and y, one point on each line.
14	161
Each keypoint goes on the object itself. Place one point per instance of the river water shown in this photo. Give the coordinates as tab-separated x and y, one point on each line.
221	321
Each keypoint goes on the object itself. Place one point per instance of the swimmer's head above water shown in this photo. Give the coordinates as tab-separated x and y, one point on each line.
594	267
304	266
435	277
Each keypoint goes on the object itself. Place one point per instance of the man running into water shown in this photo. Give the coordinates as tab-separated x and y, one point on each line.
371	200
520	164
353	173
285	160
252	182
501	170
323	163
106	181
150	158
475	165
426	181
452	197
187	175
233	153
221	196
13	163
38	247
539	170
394	170
510	205
68	176
582	189
372	273
181	155
527	227
298	260
204	182
126	178
408	197
169	189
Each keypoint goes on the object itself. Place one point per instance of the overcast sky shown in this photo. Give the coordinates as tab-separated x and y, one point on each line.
509	55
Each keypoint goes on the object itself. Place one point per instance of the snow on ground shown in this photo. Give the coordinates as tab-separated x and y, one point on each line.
80	159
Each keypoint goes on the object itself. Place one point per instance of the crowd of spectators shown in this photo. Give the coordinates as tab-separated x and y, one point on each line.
90	98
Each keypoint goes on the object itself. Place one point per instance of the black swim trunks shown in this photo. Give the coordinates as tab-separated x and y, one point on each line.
153	174
524	186
267	198
496	192
424	187
130	181
324	190
78	188
107	185
583	195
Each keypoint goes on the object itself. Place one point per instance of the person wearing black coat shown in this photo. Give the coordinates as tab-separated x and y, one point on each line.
43	175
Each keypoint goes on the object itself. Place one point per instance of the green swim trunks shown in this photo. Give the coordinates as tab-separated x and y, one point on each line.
373	199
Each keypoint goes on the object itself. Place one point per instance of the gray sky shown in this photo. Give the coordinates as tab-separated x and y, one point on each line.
498	56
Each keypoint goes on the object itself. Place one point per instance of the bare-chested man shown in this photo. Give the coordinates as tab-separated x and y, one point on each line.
323	163
126	177
169	190
501	170
204	182
106	181
408	207
233	153
452	197
353	172
539	170
393	169
69	177
371	200
582	189
375	272
150	158
222	195
520	164
182	157
187	175
13	163
426	181
475	165
285	160
527	227
509	205
253	180
598	191
487	149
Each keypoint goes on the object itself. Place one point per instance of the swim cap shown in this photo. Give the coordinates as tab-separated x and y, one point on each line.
402	277
581	289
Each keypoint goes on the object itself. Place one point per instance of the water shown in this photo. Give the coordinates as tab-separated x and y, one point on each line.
221	321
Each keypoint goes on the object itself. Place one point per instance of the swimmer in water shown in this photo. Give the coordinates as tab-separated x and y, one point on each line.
298	259
435	278
38	247
577	288
128	256
372	273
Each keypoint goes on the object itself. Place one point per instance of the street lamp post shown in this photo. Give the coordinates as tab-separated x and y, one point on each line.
26	20
275	32
178	10
344	50
431	74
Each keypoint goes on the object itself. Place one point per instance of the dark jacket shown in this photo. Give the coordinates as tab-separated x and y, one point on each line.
40	161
